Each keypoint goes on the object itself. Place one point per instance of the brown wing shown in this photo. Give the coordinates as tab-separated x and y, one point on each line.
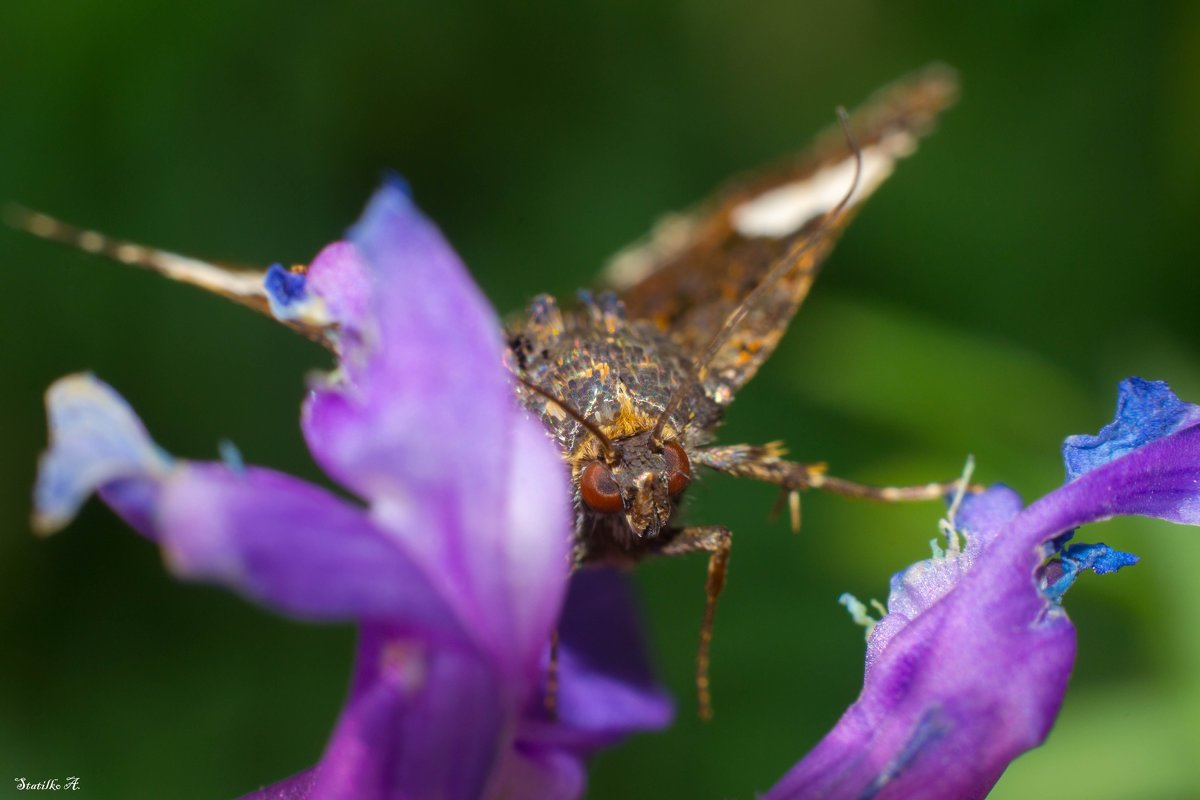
695	269
243	285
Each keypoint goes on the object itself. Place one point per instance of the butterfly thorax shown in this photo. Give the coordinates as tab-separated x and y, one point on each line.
620	375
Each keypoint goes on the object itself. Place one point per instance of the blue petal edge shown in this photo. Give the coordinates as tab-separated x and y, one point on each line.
391	202
1075	558
394	180
285	290
95	439
1146	411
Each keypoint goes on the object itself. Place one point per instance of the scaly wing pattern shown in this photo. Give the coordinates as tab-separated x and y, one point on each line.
694	270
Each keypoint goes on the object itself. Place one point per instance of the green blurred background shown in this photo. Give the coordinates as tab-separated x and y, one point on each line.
1040	247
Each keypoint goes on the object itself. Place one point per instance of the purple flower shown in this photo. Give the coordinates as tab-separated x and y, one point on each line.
451	554
968	668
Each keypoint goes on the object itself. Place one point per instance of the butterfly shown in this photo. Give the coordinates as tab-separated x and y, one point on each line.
632	381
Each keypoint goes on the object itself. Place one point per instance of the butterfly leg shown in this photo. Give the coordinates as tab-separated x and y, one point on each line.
717	542
766	463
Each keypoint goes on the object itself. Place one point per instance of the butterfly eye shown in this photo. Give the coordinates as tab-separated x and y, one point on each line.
679	469
599	489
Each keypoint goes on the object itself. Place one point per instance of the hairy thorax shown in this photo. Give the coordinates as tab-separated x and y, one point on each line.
620	375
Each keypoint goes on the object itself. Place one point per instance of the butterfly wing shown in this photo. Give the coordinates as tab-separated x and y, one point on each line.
246	286
696	269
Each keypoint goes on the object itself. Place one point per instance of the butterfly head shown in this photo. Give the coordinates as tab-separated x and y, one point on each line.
639	481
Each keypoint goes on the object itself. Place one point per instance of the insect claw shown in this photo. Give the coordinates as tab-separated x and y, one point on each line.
773	514
790	495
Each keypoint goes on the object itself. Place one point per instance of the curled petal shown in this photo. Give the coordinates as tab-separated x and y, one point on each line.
1060	574
95	440
1146	410
282	542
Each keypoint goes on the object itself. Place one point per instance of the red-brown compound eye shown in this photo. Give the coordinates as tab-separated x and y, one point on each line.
599	489
679	469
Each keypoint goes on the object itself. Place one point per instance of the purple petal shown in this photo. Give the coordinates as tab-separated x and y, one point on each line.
606	685
331	294
527	568
1146	410
420	722
986	514
280	541
426	373
403	732
542	774
423	423
297	787
979	520
978	677
340	278
293	547
1156	480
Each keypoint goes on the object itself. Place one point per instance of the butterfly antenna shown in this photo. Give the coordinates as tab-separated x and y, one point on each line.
242	286
610	451
776	273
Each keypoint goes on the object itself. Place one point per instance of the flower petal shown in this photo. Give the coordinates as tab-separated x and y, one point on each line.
1146	410
520	578
331	295
978	677
424	722
286	293
95	440
427	370
280	541
979	520
293	547
606	686
297	787
420	722
423	423
1075	558
339	277
542	774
